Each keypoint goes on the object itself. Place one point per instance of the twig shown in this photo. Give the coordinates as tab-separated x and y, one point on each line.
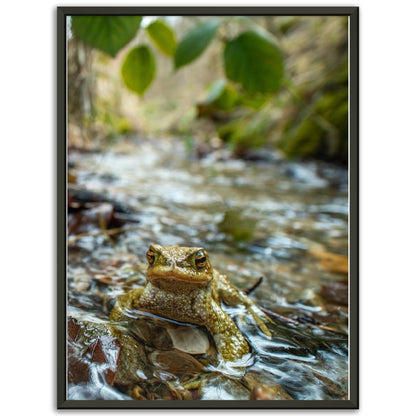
254	287
296	322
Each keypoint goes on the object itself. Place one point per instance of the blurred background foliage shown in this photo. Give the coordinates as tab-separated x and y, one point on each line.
270	82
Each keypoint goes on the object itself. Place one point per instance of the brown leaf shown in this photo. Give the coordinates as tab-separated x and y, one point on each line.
335	292
105	349
78	370
73	329
332	262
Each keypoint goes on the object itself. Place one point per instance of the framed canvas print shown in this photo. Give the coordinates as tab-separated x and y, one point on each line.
207	207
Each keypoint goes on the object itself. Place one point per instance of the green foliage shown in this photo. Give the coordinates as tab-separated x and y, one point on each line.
323	131
246	132
255	100
139	69
305	113
250	59
163	37
106	33
195	42
254	62
124	127
333	106
222	96
215	90
320	130
306	140
112	125
228	100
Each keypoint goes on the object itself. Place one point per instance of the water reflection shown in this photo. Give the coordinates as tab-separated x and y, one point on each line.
256	220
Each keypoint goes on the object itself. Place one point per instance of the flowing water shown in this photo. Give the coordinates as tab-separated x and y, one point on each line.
281	221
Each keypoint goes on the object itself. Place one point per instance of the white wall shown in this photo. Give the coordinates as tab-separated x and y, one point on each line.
387	207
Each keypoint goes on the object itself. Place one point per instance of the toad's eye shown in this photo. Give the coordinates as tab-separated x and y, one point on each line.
150	256
201	259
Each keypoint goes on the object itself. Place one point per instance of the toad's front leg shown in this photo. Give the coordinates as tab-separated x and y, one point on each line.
230	295
125	302
230	343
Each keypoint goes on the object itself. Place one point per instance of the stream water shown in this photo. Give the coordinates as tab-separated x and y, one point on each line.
285	222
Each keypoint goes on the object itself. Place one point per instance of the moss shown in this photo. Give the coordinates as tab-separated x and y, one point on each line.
306	140
124	126
248	132
321	130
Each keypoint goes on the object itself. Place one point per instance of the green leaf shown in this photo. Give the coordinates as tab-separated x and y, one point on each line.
254	101
228	99
254	62
195	42
139	69
215	90
106	33
222	96
163	36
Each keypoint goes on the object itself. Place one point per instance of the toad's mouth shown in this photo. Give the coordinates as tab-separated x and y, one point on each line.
174	274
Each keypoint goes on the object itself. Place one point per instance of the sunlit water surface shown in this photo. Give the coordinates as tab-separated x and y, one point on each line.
287	211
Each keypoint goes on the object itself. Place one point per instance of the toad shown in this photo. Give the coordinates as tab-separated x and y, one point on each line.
182	285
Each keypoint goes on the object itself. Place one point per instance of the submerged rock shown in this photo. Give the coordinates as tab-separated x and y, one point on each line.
264	388
176	362
105	350
99	353
133	365
164	334
219	387
189	339
93	353
335	293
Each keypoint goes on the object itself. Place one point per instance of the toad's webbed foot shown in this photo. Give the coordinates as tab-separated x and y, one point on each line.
230	342
260	318
231	296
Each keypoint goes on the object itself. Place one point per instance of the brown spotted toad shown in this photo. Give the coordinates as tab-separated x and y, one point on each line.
182	285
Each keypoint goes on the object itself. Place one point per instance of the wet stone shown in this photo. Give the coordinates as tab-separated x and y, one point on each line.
264	388
219	387
330	387
100	354
133	362
166	335
88	331
176	362
296	223
189	339
335	293
105	350
151	333
91	344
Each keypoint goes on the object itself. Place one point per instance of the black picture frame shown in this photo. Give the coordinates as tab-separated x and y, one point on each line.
353	14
